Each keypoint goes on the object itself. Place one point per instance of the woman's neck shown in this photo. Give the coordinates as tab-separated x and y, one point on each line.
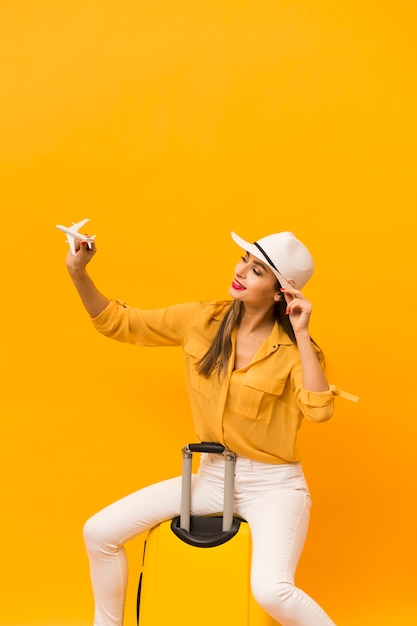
254	328
256	320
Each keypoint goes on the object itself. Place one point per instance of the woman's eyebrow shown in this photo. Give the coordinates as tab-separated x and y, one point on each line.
256	262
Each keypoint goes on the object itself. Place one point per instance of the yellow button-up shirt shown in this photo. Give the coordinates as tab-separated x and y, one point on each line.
255	411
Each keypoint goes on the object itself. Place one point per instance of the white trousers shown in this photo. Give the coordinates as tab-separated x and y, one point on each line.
275	501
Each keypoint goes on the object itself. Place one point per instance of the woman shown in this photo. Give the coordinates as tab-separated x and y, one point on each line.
253	373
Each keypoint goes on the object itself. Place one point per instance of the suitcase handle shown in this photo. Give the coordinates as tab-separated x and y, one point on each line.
206	446
229	478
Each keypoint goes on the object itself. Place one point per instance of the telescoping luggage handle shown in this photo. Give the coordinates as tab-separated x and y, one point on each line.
229	477
213	530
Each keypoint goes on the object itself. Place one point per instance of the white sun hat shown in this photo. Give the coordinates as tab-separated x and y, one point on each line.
287	257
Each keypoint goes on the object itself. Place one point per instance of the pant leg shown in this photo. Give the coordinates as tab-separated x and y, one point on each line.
107	531
278	511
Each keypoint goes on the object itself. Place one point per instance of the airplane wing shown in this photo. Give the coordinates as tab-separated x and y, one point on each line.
78	225
71	242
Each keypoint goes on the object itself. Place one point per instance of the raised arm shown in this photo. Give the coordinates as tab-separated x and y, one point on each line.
299	310
93	300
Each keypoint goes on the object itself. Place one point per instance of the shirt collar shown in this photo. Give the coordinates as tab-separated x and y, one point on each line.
279	336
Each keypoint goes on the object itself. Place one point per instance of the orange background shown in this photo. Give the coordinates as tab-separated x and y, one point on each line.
168	124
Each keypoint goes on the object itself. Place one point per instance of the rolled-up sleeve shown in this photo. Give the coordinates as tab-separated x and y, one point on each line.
316	406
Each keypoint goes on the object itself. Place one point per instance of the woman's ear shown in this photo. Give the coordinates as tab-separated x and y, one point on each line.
277	297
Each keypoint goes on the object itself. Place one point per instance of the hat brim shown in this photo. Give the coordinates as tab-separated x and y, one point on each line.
252	249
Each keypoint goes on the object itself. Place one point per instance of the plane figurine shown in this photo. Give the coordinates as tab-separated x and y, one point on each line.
72	234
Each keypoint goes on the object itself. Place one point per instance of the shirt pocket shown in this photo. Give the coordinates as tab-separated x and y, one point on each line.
258	396
194	350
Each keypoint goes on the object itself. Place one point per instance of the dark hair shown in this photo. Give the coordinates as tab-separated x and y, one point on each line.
218	355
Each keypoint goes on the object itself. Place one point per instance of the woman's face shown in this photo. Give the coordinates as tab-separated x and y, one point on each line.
254	283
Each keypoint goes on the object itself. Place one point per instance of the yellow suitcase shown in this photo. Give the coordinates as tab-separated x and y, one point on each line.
199	567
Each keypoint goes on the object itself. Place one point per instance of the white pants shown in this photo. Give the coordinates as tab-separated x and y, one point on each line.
275	501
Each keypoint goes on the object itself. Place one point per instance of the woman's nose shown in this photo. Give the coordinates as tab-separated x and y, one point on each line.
240	269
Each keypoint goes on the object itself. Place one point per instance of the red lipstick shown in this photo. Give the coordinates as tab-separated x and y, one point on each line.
236	285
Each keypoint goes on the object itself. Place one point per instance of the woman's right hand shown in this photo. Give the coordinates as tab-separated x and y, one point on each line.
83	254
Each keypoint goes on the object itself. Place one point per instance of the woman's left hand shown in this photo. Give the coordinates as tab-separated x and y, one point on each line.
298	308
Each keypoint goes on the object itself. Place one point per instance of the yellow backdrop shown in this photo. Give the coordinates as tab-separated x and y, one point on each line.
168	124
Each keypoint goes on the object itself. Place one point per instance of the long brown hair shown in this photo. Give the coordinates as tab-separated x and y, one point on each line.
218	355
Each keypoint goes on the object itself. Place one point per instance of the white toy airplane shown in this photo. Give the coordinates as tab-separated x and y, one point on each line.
72	234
